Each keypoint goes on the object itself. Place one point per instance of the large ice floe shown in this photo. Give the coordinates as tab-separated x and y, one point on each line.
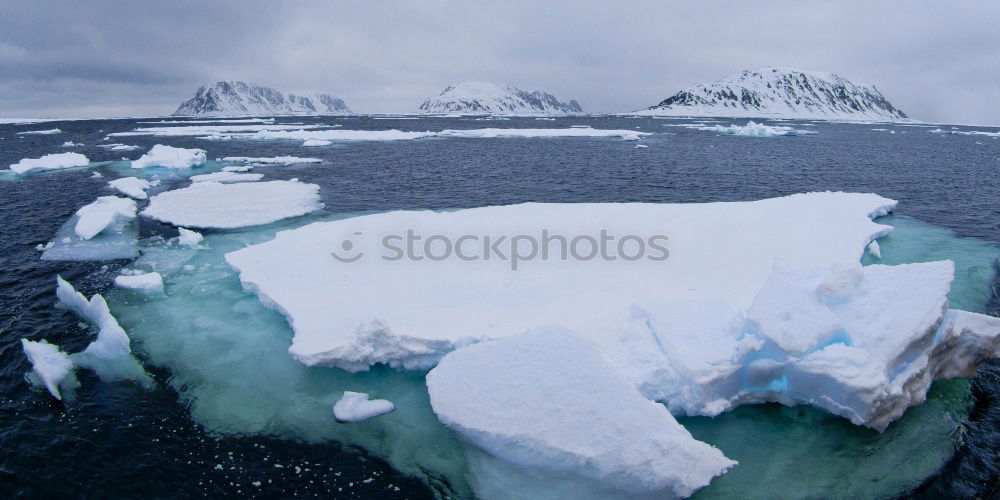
211	204
228	354
56	161
790	316
170	157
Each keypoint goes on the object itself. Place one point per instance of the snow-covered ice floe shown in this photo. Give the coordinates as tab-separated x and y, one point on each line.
551	415
226	177
316	142
397	135
757	301
188	238
141	282
133	186
170	157
71	144
207	130
355	407
218	205
102	230
271	160
627	135
41	132
55	161
117	146
110	354
966	132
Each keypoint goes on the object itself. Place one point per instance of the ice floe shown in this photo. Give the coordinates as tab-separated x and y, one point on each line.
117	146
208	130
226	177
102	213
355	407
133	186
751	129
627	135
110	354
705	330
41	132
218	205
49	363
316	142
56	161
272	160
71	144
170	157
551	415
141	282
966	132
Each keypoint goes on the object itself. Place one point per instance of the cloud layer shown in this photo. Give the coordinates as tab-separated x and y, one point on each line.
936	61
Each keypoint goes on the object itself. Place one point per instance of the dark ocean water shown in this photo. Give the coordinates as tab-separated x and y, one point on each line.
116	440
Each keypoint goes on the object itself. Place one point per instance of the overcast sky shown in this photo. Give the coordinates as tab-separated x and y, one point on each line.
937	61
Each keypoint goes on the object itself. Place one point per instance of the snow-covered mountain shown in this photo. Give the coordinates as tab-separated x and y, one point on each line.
479	98
239	98
780	93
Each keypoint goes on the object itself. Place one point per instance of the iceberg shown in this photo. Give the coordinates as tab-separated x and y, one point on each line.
132	186
56	161
170	157
49	363
547	404
101	214
355	407
787	314
151	283
224	206
110	355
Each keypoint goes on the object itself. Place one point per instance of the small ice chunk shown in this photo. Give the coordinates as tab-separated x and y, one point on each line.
170	157
132	186
97	216
188	237
71	144
316	142
355	407
874	249
218	205
41	132
273	160
56	161
50	364
145	283
96	175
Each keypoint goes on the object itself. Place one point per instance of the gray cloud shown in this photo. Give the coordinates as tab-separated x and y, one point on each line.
937	61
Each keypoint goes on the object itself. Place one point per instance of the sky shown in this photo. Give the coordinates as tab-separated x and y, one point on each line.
937	61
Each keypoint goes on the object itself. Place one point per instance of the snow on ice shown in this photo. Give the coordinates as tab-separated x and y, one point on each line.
56	161
218	205
170	157
143	282
133	186
188	238
99	215
49	363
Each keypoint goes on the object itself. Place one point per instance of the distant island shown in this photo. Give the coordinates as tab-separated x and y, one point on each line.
780	93
235	98
480	98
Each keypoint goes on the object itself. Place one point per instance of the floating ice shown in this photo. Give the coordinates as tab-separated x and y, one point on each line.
117	146
110	355
71	144
99	215
207	130
966	132
187	237
316	142
55	161
50	364
627	135
553	416
217	205
41	132
132	186
753	129
335	135
170	157
355	407
145	283
226	177
715	325
874	249
275	160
